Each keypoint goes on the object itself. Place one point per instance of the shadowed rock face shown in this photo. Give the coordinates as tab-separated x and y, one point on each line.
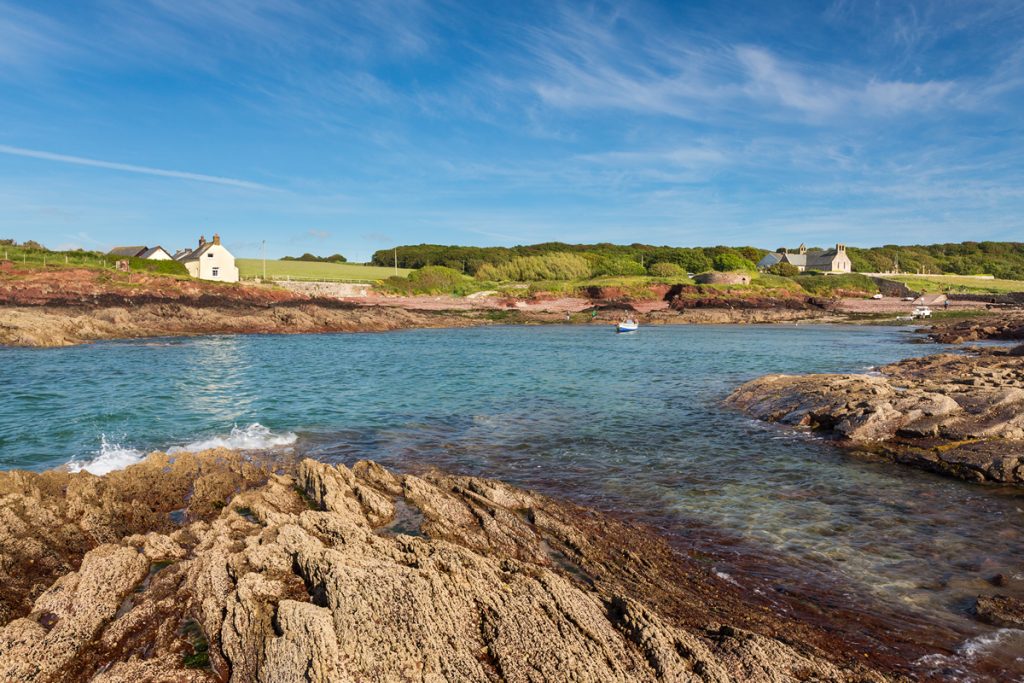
959	414
311	572
1009	327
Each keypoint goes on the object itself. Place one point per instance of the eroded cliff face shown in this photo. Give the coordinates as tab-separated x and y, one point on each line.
65	326
216	567
958	414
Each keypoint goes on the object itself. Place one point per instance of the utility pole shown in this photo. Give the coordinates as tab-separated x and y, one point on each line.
396	261
264	260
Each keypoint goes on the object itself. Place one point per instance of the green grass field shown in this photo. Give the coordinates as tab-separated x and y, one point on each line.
958	284
249	268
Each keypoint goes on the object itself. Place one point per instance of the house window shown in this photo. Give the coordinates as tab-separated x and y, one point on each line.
209	255
216	270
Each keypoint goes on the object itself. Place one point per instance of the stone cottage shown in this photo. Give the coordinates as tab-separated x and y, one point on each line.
828	261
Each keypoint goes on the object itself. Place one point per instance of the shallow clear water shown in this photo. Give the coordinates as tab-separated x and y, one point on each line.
631	423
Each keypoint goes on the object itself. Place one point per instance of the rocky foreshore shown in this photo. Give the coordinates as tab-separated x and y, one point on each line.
219	567
51	326
1006	327
959	414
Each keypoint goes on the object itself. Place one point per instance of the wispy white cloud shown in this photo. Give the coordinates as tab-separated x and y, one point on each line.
770	80
130	168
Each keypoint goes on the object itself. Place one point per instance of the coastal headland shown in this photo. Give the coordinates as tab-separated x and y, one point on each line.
218	566
63	306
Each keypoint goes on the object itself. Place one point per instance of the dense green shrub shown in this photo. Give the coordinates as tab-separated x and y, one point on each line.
784	270
152	266
666	269
432	280
556	266
435	280
729	261
616	266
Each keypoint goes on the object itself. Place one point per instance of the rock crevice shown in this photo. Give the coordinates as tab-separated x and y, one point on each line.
289	577
958	414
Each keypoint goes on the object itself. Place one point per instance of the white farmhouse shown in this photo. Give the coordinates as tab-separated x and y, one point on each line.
209	261
156	253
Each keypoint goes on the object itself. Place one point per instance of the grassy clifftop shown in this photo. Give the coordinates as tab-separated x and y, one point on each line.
249	268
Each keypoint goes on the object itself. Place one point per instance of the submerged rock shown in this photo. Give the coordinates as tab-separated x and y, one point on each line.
959	414
1001	610
295	572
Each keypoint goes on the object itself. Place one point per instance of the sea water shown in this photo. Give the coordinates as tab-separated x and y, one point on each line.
633	424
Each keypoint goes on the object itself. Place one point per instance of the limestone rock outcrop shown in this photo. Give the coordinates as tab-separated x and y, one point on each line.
959	414
313	572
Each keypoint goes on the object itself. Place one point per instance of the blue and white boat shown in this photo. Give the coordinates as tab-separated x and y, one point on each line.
628	325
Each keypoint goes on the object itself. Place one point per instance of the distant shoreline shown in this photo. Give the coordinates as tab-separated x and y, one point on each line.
40	308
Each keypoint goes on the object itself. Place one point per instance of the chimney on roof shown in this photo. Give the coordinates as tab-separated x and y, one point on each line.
202	241
216	238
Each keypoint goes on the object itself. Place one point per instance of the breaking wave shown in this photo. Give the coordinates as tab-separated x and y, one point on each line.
1001	647
255	437
109	457
115	456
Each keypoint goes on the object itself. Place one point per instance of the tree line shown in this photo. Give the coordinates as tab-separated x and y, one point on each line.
604	258
1001	259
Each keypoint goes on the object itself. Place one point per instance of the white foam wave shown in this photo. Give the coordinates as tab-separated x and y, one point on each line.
115	456
255	437
969	652
109	457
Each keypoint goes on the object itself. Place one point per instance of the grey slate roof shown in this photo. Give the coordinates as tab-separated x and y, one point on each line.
196	253
812	260
126	251
149	252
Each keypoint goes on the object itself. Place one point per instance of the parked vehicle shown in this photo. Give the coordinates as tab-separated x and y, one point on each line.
922	312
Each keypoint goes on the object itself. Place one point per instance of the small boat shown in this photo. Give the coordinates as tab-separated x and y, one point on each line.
629	325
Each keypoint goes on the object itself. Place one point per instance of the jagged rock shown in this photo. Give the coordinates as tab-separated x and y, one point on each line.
301	577
958	414
1001	610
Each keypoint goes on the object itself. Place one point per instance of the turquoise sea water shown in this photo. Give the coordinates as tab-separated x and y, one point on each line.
631	423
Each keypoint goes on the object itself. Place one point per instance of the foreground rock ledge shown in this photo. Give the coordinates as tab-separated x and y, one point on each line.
957	414
214	567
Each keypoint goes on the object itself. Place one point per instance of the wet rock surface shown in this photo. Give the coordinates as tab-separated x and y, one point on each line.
958	414
1001	610
1006	327
296	572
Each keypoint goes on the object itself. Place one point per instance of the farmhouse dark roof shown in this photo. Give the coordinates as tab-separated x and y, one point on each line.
195	254
149	252
126	251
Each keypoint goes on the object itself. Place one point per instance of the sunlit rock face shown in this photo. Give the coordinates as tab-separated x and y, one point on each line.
215	566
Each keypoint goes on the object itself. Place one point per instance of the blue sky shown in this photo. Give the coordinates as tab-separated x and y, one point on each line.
322	127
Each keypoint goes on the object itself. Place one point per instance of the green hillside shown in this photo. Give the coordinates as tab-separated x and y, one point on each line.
249	268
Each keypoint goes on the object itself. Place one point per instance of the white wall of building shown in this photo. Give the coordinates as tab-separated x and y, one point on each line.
215	263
